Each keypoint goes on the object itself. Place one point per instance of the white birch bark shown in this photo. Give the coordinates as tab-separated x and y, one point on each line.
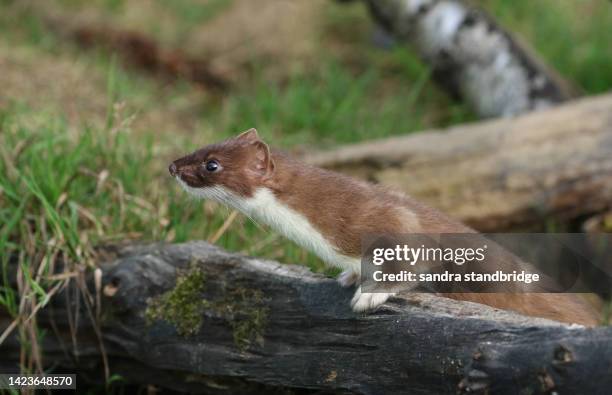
471	56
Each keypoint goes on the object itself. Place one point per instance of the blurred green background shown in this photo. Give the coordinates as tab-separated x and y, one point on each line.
85	137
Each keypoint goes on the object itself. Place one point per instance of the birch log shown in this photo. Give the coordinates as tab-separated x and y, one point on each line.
472	56
499	175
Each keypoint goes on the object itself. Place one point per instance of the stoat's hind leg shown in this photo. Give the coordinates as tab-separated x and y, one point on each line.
367	301
348	278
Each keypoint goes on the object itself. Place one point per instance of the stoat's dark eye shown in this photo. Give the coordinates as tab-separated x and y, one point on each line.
212	165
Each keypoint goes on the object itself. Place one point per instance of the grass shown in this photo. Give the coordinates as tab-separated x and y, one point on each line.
89	187
331	106
573	36
193	14
63	193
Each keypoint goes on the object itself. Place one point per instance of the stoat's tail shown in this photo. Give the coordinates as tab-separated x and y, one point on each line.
570	308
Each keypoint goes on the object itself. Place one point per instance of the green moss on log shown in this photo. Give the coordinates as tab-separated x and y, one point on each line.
182	306
247	314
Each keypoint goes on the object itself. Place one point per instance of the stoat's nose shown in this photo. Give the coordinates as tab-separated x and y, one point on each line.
172	169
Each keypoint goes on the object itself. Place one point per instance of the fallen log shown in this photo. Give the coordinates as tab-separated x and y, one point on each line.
498	175
473	57
245	325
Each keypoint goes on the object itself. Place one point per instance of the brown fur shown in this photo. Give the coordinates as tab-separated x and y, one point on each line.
242	160
344	209
570	308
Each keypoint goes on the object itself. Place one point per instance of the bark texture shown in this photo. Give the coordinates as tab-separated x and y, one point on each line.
308	340
472	56
498	175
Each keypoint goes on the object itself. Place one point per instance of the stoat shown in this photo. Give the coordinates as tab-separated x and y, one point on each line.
327	213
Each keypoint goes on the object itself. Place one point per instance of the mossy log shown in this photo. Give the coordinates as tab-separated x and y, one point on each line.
245	325
499	175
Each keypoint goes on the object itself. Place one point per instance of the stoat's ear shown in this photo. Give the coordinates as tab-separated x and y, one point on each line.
249	135
264	164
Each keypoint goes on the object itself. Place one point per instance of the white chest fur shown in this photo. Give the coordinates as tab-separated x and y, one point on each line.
265	207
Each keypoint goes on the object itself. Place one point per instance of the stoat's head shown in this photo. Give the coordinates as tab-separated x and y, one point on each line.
237	166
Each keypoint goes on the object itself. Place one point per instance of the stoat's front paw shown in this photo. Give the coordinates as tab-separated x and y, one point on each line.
347	278
367	301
